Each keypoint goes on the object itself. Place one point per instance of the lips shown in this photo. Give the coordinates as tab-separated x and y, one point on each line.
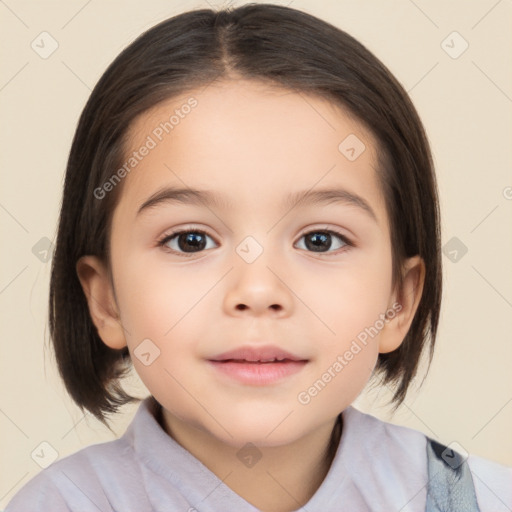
263	354
257	366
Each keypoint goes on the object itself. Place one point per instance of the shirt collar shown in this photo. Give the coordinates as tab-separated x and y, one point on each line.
163	455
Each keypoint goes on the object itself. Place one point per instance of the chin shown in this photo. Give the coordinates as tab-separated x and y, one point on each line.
262	433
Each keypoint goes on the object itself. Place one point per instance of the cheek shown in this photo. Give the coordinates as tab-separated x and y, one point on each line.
156	299
346	357
168	307
351	304
339	380
349	298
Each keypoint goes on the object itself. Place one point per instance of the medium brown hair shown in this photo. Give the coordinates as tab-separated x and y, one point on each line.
281	46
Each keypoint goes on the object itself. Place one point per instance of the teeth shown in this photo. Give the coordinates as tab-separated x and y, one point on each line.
273	360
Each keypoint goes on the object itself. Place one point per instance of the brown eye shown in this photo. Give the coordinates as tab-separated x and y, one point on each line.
322	241
190	241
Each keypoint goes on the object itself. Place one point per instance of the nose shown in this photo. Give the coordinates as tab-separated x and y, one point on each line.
259	288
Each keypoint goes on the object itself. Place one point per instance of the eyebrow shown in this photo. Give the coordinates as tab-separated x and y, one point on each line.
210	199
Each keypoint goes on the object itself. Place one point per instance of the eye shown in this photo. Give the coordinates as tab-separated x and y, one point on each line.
188	241
320	241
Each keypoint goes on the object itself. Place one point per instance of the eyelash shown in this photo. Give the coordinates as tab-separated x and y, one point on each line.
169	236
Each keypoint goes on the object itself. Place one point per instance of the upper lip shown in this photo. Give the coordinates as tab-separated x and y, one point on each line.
263	353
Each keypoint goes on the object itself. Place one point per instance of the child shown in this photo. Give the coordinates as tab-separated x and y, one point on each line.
250	217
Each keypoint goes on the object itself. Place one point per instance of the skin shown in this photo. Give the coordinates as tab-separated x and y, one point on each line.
254	144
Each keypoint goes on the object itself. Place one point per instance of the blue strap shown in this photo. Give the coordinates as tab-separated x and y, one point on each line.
450	484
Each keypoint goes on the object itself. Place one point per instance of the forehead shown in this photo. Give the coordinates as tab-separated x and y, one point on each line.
253	145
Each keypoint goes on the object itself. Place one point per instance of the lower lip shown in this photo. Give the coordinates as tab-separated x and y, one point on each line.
259	374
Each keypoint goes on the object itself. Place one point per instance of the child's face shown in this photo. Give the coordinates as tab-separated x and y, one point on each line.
255	279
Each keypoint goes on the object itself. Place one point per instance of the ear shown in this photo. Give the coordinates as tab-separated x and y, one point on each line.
95	281
404	303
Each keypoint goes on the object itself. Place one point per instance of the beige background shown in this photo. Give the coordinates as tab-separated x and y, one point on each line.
466	106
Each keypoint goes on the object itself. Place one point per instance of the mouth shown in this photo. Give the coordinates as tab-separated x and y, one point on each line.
257	371
258	354
266	361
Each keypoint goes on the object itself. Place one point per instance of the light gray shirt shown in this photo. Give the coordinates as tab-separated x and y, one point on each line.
378	467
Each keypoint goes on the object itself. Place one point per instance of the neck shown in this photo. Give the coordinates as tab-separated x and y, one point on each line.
285	477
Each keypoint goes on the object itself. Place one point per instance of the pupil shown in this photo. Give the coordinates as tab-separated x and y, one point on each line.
189	242
317	241
193	241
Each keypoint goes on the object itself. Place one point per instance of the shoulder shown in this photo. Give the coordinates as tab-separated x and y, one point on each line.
75	481
384	437
38	494
387	463
403	455
493	483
